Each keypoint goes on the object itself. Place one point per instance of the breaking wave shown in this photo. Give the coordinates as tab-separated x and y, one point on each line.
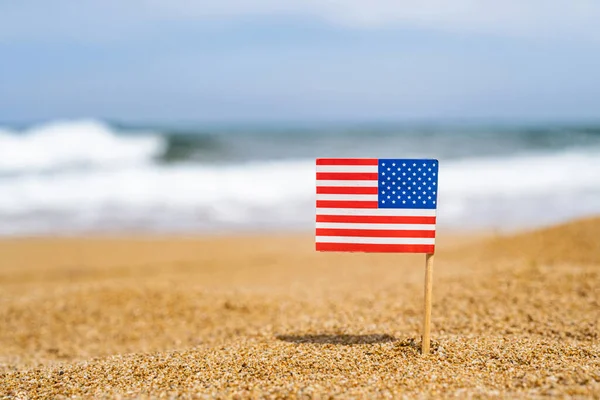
74	144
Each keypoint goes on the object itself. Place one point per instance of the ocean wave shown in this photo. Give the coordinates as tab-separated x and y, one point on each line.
488	192
75	144
93	144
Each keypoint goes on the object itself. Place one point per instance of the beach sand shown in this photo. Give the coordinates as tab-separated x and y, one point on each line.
268	317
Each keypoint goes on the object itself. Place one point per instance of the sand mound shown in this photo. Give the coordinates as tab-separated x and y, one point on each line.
575	242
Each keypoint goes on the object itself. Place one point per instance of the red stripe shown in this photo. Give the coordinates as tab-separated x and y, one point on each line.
347	176
346	190
347	161
380	219
346	204
375	233
376	248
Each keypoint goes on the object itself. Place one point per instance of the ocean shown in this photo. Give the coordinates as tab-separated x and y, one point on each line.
91	176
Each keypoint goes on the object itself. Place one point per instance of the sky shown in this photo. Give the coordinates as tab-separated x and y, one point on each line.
299	60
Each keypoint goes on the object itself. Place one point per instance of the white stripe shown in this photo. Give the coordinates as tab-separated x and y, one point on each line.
347	168
365	183
373	240
400	212
395	227
357	197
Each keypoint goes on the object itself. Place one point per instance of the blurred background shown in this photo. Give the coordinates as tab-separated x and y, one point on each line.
196	117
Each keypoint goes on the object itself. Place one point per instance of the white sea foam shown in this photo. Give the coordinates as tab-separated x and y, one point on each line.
520	191
73	143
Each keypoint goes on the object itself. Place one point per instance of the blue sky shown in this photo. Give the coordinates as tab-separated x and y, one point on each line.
266	60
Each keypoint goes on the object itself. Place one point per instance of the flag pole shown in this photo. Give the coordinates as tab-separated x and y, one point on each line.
427	319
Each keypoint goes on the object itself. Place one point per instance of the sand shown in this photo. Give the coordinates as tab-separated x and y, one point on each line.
267	317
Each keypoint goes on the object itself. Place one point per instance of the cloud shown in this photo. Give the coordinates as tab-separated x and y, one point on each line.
506	17
114	18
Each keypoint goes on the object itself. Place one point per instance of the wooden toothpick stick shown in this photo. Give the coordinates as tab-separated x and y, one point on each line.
427	319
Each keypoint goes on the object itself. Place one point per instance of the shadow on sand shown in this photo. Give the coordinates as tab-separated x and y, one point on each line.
345	340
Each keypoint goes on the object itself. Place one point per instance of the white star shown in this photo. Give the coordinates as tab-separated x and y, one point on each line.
429	188
403	201
394	192
424	202
404	174
429	197
383	201
404	164
424	173
394	201
433	183
383	173
414	174
383	164
434	202
409	179
409	169
389	187
419	178
393	173
382	182
403	192
434	165
429	169
424	164
410	188
393	164
414	192
393	183
419	197
419	169
389	178
414	165
428	179
388	197
419	188
433	192
409	197
383	192
424	192
434	174
414	202
404	183
388	169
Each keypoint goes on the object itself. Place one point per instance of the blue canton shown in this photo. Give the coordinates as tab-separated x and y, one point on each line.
408	183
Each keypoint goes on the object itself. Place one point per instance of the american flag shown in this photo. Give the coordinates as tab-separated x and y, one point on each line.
376	205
